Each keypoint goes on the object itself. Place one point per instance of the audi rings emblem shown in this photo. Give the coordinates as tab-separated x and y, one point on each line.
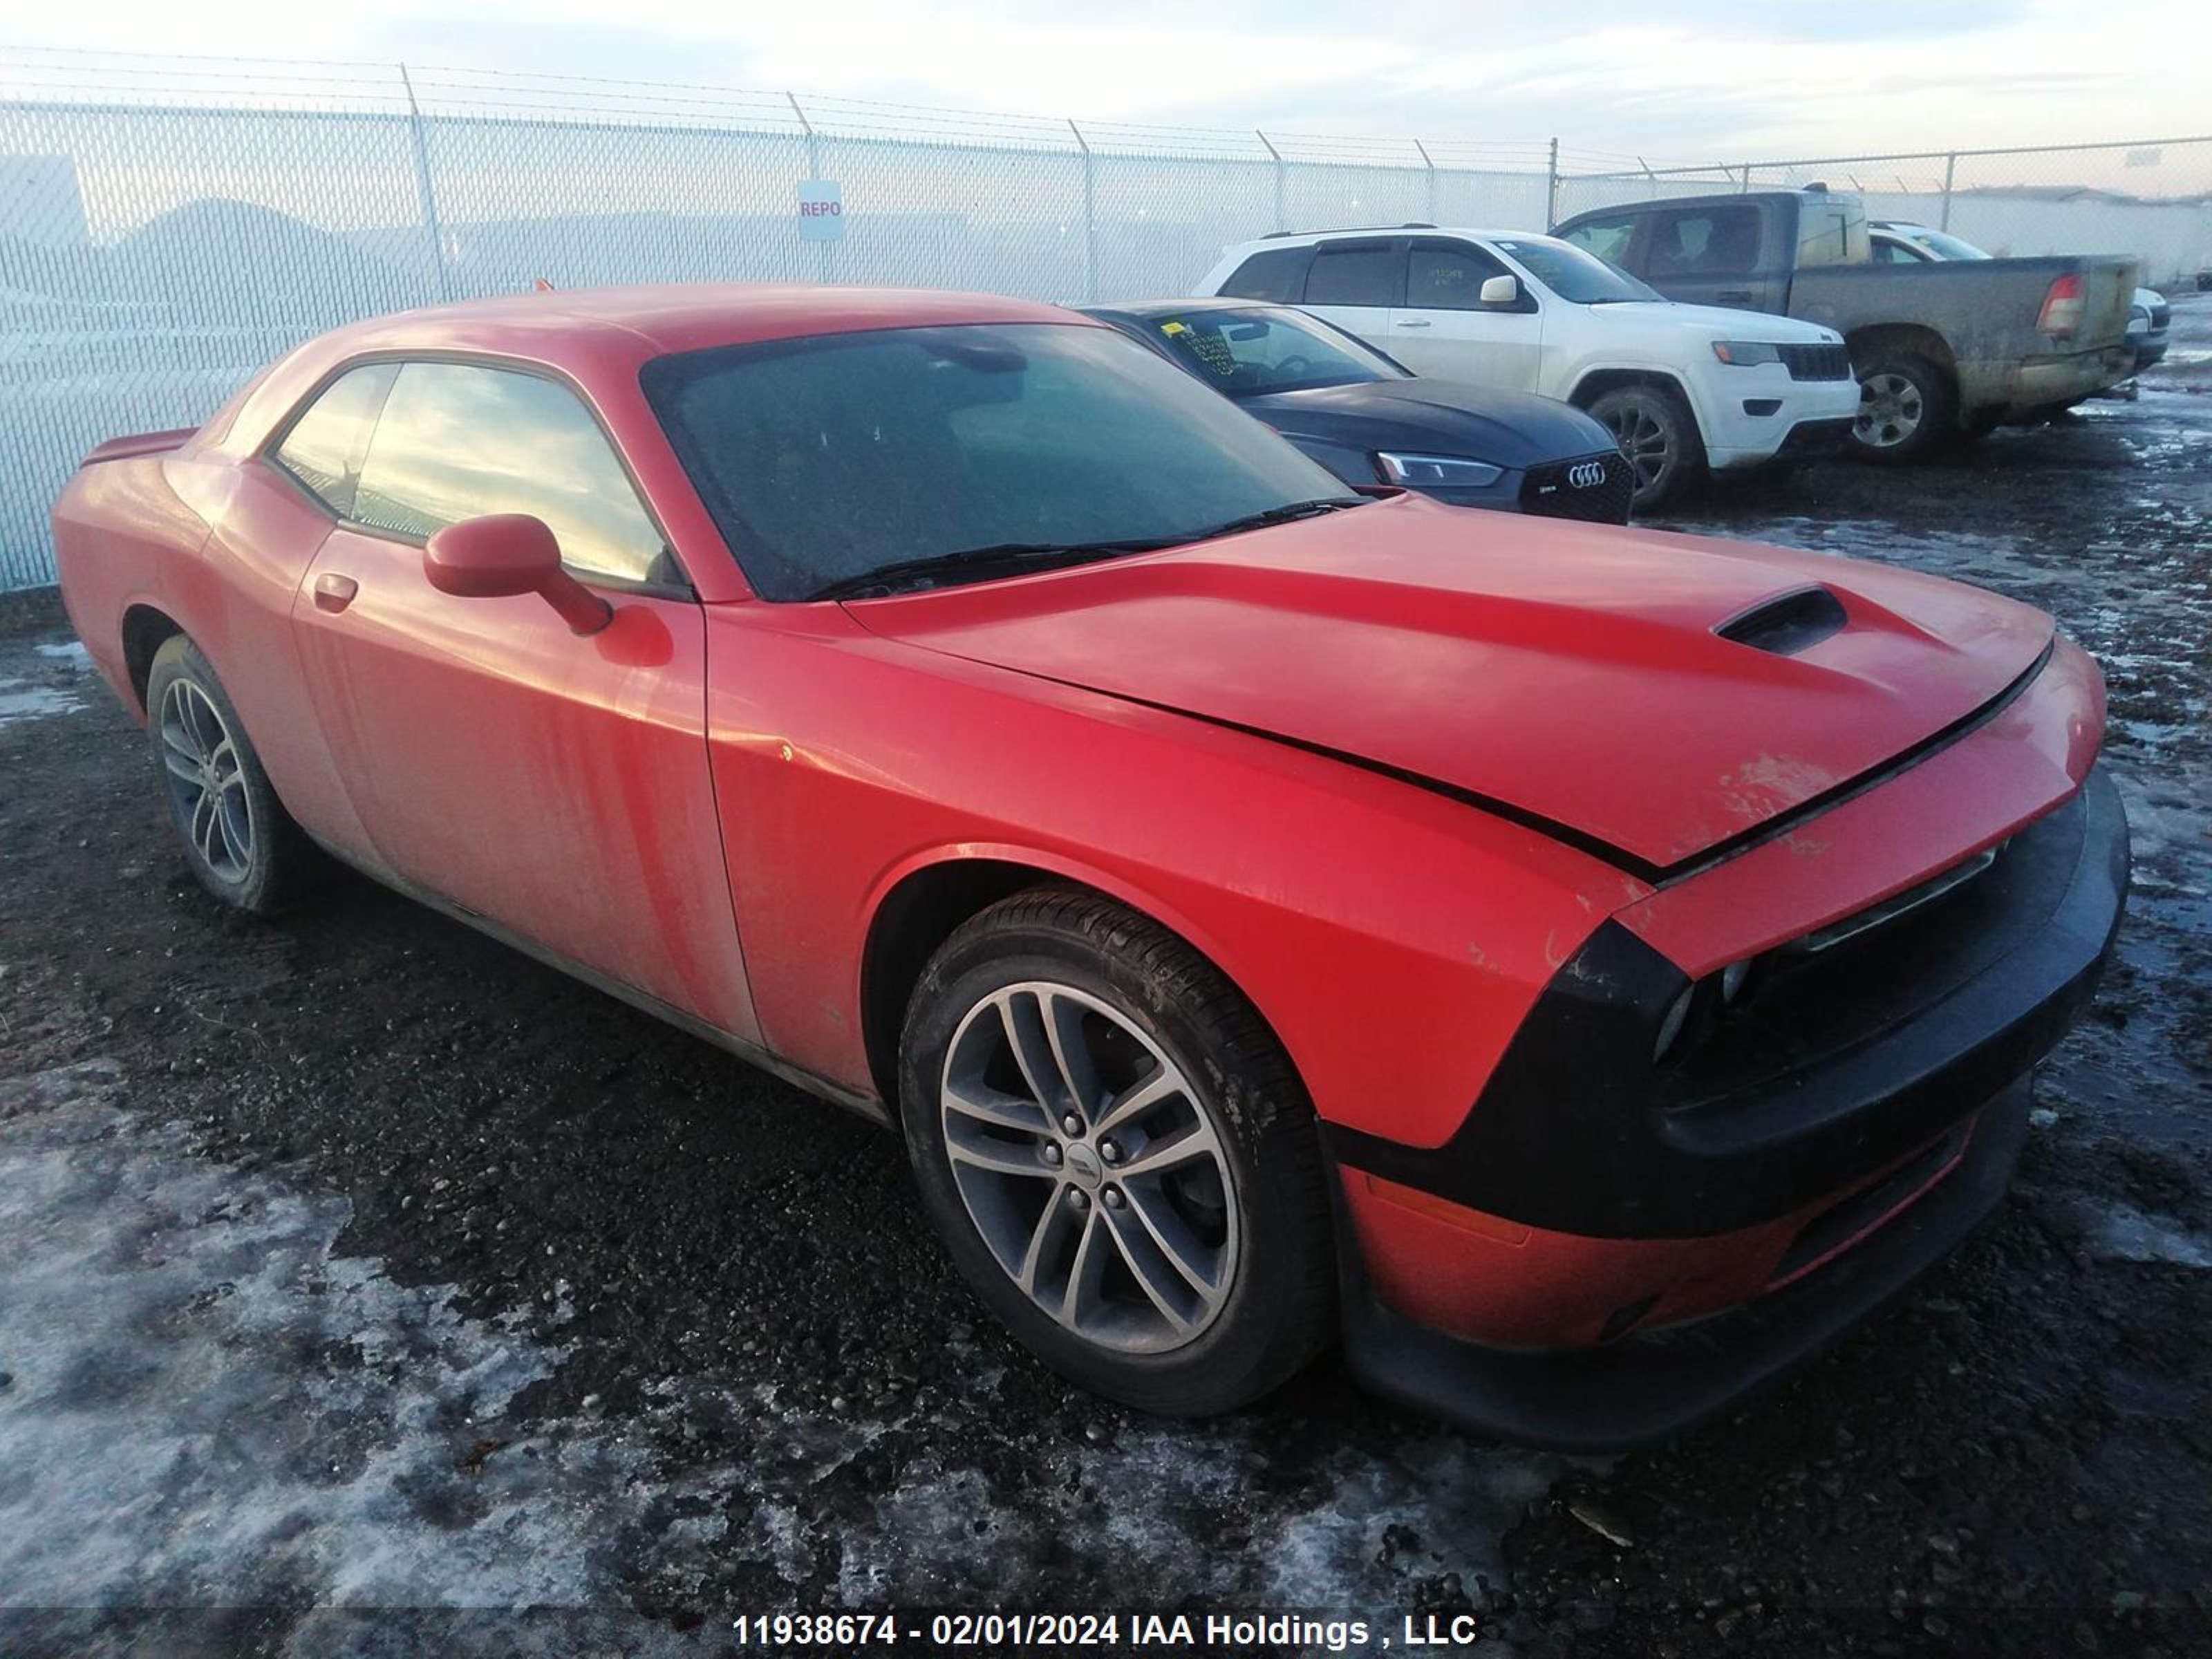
1586	474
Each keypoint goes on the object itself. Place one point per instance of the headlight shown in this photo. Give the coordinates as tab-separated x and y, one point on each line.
1437	471
1746	354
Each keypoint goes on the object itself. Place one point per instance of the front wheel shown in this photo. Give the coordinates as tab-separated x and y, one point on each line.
1907	408
1657	434
1117	1154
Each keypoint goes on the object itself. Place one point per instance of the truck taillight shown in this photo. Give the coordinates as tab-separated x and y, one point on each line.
2061	305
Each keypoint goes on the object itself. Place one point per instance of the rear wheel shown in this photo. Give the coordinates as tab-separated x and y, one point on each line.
1907	408
1117	1154
1656	431
238	841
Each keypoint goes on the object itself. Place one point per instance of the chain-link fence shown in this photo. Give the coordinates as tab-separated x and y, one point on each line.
168	226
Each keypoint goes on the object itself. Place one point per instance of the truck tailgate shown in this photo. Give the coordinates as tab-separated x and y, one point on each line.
2109	283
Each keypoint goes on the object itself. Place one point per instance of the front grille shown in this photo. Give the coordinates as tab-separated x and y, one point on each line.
1816	363
1597	488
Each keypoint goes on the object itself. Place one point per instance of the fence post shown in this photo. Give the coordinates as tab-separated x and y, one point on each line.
1431	167
1090	216
1277	155
425	188
1552	186
1950	172
813	166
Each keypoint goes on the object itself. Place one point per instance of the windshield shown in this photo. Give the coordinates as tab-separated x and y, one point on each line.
1580	277
1251	350
823	459
1941	243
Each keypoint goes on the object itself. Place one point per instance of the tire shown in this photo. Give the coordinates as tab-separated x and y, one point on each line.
1242	1196
238	841
1656	432
1908	408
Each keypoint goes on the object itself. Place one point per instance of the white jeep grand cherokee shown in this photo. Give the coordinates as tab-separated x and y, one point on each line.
1684	388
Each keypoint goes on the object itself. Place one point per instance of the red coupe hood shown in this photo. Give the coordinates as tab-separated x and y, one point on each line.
1570	673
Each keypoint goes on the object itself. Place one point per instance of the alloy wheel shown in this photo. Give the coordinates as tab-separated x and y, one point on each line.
206	780
1090	1168
1891	408
1643	440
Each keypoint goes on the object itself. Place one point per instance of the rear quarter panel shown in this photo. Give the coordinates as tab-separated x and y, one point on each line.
118	530
218	547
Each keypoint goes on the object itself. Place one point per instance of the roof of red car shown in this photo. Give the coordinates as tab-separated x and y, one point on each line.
685	317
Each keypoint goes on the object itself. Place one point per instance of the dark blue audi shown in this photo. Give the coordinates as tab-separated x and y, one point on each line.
1371	421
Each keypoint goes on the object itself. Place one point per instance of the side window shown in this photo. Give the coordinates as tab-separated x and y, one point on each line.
1449	276
1888	251
1370	275
1831	234
1275	274
1710	241
324	448
1608	238
458	441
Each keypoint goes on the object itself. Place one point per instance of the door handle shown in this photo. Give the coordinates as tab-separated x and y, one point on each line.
1734	296
334	593
1412	322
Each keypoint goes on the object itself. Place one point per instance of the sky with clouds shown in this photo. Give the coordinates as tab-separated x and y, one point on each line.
1688	80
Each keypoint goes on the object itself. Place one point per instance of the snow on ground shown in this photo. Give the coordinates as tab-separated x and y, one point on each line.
209	1404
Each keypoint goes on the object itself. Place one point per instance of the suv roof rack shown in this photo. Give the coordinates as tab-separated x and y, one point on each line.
1350	230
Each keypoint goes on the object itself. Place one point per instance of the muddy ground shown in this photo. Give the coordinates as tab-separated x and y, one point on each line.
356	1262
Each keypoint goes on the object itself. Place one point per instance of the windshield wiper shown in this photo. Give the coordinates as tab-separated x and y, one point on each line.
1312	509
1007	558
999	559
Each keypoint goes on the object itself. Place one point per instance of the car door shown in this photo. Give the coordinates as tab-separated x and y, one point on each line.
1715	255
1445	320
1355	283
553	785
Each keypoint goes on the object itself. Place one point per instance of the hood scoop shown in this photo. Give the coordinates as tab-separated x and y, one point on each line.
1788	624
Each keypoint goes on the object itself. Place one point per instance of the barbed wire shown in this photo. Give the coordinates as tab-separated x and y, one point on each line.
278	82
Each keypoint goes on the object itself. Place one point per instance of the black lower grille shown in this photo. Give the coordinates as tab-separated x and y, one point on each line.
1816	363
1833	1229
2160	316
1597	488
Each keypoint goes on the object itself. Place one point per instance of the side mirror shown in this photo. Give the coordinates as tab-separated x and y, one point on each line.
507	553
1500	290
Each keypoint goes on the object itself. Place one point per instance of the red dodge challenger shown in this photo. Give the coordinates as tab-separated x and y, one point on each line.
1587	968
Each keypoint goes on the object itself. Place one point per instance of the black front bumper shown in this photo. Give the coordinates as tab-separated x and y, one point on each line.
1649	1389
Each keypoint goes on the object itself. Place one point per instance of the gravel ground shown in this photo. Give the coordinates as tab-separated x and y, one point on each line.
356	1262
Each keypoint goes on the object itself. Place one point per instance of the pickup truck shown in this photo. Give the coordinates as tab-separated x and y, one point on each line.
1939	349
